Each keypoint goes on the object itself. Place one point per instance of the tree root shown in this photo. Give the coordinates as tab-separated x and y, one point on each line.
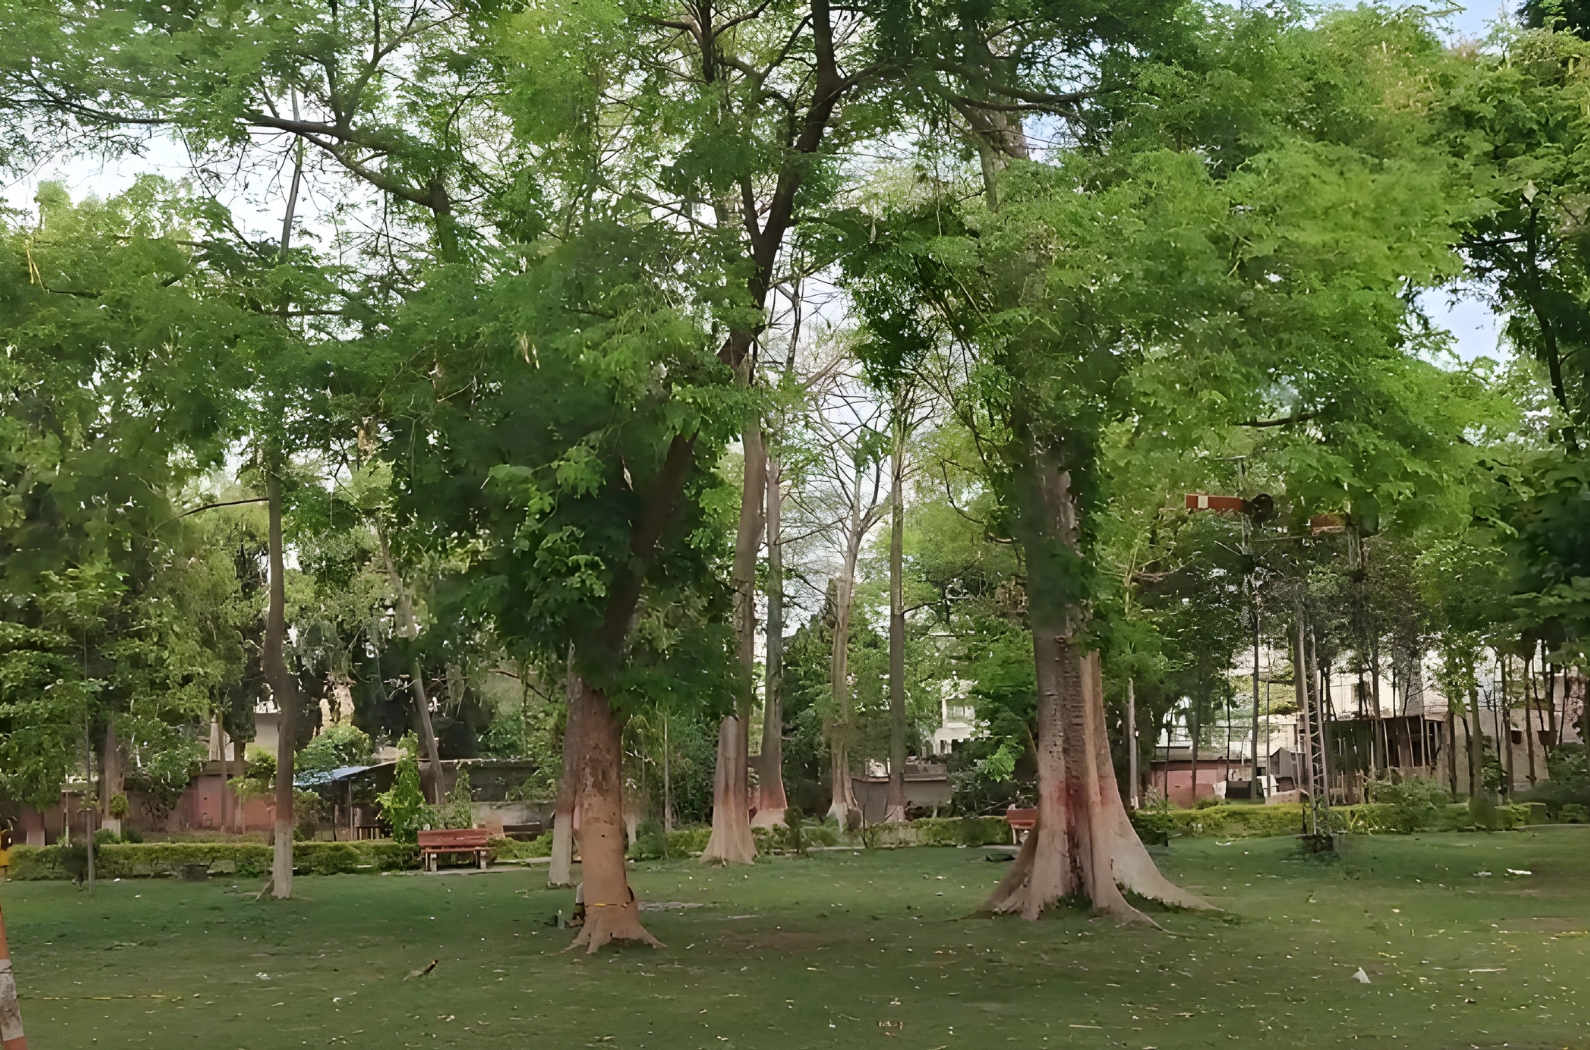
605	924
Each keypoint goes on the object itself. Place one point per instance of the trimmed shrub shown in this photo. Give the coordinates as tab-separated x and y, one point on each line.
961	831
686	841
128	860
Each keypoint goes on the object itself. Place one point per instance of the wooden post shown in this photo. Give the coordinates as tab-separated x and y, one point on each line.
11	1037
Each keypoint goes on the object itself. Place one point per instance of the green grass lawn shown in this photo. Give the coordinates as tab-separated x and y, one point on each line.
842	949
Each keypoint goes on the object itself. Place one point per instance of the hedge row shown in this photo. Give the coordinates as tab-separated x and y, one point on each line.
248	859
1250	821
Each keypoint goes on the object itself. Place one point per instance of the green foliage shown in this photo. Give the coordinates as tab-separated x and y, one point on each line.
650	842
457	809
336	746
1414	803
403	807
128	860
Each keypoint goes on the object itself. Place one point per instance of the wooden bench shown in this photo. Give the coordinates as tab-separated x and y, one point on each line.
1021	821
454	840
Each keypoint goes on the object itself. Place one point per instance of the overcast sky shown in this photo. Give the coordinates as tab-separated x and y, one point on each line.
1473	326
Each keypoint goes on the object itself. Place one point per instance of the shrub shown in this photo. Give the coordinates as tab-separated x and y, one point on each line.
686	841
118	806
1413	804
1154	826
650	842
105	837
404	805
540	846
249	859
959	831
457	810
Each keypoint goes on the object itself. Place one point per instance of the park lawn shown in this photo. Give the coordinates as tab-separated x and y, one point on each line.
843	949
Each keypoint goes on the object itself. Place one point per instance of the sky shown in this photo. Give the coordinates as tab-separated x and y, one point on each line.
1473	326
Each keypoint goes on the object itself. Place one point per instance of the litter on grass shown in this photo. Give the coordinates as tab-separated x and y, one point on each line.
1360	976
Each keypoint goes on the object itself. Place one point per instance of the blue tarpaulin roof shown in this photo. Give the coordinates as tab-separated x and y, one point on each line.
309	780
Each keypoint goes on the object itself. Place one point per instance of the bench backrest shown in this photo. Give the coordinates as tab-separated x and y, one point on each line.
1021	818
463	838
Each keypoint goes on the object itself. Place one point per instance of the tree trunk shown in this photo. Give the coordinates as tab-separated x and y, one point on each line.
89	811
226	808
433	757
1132	786
241	761
560	871
771	799
731	841
895	801
1476	735
409	627
843	807
1451	753
668	783
1083	843
1504	730
1300	686
285	692
1550	671
113	776
1530	714
611	911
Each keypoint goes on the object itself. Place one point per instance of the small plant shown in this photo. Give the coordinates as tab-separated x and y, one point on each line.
650	842
1154	826
1415	802
1209	802
457	810
106	837
404	805
794	841
118	806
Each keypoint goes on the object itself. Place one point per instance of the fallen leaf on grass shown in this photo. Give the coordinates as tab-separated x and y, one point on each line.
422	972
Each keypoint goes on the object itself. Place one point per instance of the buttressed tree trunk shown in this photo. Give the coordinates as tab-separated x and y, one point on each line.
771	799
611	911
285	691
895	801
1083	843
731	841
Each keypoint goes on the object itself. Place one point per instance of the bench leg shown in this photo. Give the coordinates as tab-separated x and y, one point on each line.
480	859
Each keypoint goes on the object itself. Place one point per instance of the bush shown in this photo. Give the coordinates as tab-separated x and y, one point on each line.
404	806
105	837
249	859
686	841
961	831
540	846
1154	826
650	842
458	809
1414	803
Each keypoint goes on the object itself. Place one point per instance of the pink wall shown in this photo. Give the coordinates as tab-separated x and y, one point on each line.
1181	784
